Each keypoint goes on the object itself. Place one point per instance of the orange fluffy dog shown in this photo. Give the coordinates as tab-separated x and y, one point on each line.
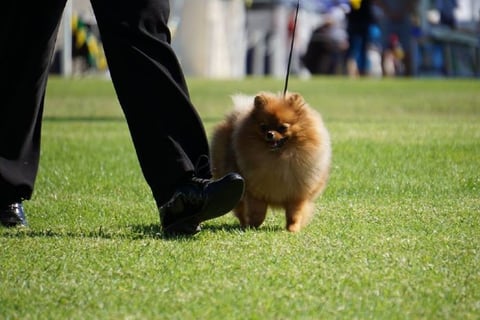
282	149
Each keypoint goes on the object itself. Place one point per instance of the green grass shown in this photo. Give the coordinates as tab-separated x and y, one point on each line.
396	234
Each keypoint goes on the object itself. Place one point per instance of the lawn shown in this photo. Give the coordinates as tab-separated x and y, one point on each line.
396	235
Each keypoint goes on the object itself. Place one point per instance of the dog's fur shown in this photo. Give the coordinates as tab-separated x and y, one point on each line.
281	147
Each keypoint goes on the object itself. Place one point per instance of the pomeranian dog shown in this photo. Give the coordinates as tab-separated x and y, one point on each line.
281	147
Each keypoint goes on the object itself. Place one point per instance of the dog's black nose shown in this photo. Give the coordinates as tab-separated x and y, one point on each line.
270	135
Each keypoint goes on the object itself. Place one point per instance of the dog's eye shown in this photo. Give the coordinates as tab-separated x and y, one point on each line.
283	127
263	127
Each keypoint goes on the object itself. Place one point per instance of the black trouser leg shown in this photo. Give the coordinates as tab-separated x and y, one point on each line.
166	130
28	32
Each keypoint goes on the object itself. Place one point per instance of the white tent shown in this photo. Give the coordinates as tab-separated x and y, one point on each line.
209	37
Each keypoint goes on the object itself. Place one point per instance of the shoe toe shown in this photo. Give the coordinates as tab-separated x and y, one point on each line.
198	201
222	196
13	215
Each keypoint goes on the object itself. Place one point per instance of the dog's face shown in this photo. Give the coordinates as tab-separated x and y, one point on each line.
276	118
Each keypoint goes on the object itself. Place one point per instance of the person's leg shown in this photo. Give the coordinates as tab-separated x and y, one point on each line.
353	54
363	62
166	130
28	33
409	44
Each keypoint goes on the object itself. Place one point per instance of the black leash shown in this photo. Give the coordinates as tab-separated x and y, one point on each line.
291	49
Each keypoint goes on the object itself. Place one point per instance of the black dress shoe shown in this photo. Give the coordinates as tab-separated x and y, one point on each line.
12	215
199	200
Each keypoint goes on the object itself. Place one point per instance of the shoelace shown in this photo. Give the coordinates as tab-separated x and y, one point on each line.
196	195
193	190
202	167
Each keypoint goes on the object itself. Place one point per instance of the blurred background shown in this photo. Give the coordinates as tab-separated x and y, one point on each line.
233	39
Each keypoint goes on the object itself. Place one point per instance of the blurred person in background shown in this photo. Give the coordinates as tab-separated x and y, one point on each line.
328	43
360	19
446	8
397	20
393	56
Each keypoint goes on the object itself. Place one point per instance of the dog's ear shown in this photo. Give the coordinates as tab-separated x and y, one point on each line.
260	101
295	101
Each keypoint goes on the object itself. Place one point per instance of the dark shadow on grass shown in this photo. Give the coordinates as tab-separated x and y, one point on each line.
125	233
153	230
131	232
236	228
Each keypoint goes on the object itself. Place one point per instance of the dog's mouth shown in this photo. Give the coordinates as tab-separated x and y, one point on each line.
277	144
